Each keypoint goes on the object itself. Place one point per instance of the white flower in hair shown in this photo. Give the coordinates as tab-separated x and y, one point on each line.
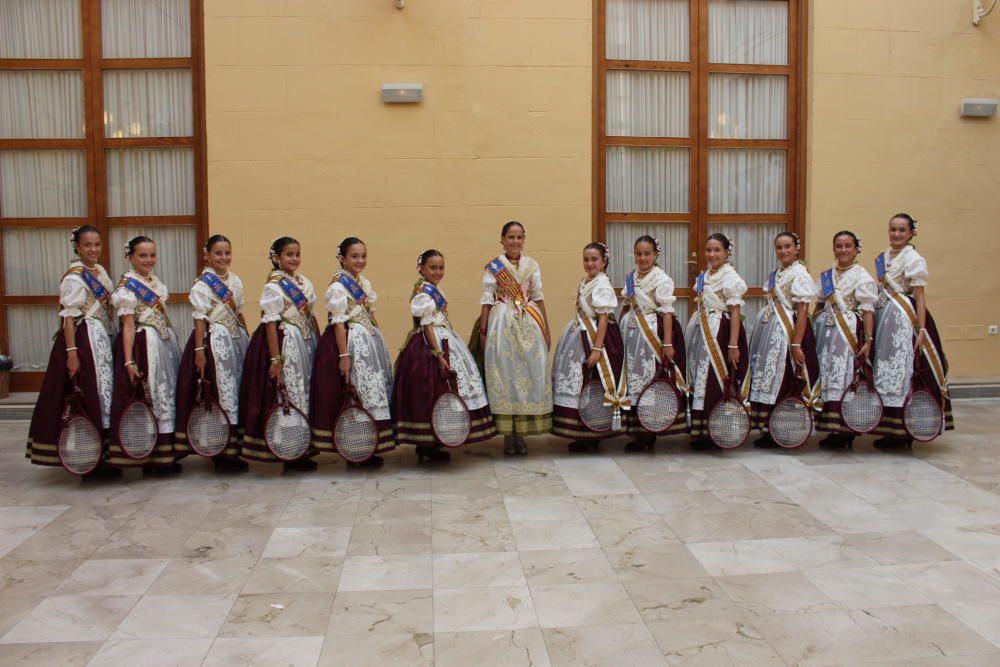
128	248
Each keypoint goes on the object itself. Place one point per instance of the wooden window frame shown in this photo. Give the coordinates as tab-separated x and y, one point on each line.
698	143
92	66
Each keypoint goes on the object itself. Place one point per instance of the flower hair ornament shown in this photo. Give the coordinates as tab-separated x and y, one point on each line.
72	235
271	253
795	237
420	260
605	251
128	248
913	227
857	241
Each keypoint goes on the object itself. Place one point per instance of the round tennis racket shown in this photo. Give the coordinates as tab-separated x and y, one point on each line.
659	403
923	417
80	445
596	416
355	433
137	429
286	430
208	424
861	406
791	420
450	418
729	421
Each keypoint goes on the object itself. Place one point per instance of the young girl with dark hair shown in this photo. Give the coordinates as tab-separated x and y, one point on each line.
782	346
906	336
591	343
652	334
81	353
281	351
843	327
715	338
216	349
422	367
147	357
353	351
514	335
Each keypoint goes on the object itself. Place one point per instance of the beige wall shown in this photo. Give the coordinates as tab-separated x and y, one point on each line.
886	80
300	143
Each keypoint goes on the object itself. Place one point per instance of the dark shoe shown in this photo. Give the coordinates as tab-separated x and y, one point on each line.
160	470
509	445
104	472
230	465
640	445
703	445
301	465
765	442
522	446
373	462
582	446
432	453
893	444
836	441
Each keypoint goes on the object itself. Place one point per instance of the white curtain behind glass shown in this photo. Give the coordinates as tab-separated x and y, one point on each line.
747	106
647	104
34	260
647	30
180	317
673	237
146	28
748	32
150	181
647	179
148	103
41	104
43	184
176	258
746	180
40	29
753	253
31	329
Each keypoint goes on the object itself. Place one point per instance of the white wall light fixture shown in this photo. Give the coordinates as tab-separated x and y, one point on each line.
979	107
402	93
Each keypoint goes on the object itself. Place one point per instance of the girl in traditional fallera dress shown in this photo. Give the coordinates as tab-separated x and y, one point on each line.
422	367
652	335
81	352
903	325
843	327
216	349
514	334
715	338
352	350
782	346
147	357
281	351
590	343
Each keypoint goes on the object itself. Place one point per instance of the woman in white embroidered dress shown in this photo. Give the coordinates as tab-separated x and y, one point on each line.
80	354
146	353
720	297
782	346
853	296
352	348
422	367
901	299
652	335
281	351
216	349
514	335
603	351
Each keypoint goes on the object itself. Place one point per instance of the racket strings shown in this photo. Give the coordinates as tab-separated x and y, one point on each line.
790	423
450	420
287	433
658	407
355	434
208	429
137	431
728	424
922	416
80	446
861	408
593	413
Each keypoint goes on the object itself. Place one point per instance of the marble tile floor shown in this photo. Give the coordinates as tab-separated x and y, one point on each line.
669	558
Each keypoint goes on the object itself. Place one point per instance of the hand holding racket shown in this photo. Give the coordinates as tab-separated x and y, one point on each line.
355	434
286	430
80	445
208	424
450	419
137	427
729	421
660	401
791	420
861	406
923	417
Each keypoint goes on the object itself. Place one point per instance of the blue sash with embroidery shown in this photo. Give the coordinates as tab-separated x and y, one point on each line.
353	288
880	265
772	280
148	296
630	285
293	293
99	290
434	293
220	288
699	283
826	281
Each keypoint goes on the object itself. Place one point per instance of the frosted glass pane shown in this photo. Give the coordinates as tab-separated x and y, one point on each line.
180	317
176	253
30	330
34	260
148	103
747	106
40	29
648	104
647	179
647	30
673	237
748	32
146	28
746	181
150	181
40	104
43	184
753	252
